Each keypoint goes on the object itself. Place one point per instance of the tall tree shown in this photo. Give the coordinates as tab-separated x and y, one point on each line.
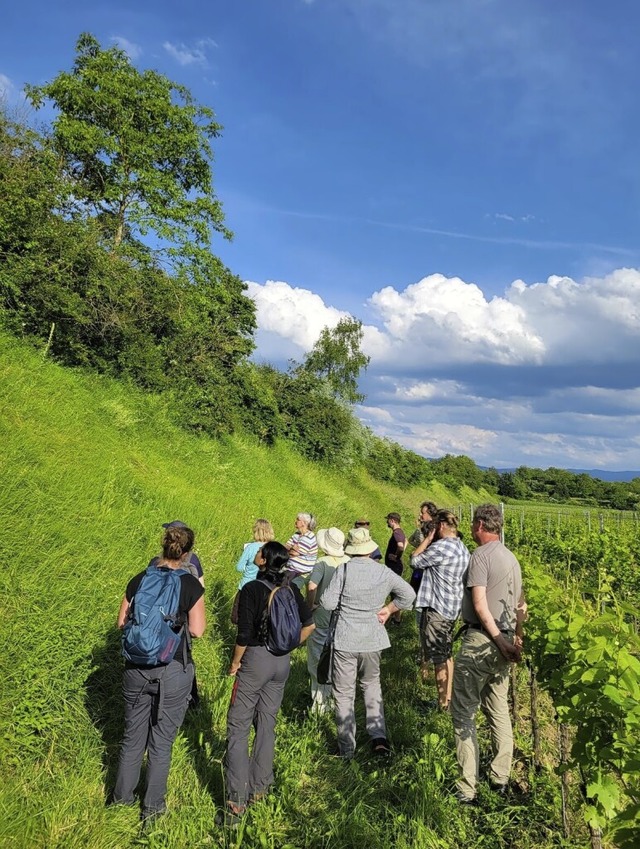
337	358
137	155
137	148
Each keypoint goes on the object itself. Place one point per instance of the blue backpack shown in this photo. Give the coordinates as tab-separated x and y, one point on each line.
281	623
148	637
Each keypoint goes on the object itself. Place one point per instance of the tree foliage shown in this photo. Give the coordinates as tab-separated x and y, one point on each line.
137	150
127	158
337	358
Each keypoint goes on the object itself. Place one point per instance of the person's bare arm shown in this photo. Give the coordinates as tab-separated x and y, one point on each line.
521	618
510	651
197	618
306	630
123	613
311	594
238	654
387	611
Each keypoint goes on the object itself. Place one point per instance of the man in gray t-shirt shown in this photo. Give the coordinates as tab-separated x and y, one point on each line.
495	568
493	609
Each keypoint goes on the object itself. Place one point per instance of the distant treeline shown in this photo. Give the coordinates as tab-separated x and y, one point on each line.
561	486
107	219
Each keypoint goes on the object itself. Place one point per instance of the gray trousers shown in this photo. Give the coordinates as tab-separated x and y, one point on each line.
320	693
255	701
481	679
155	702
347	667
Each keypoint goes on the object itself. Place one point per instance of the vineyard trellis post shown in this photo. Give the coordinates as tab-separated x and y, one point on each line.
535	723
563	739
515	712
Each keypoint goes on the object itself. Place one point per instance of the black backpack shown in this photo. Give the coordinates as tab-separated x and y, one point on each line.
281	626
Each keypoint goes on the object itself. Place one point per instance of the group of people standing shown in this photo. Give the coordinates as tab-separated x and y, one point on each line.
363	592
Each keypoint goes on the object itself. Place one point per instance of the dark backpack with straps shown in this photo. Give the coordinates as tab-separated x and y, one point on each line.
281	626
149	636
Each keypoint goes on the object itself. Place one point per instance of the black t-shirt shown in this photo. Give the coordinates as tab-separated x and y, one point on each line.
192	564
190	591
393	554
251	606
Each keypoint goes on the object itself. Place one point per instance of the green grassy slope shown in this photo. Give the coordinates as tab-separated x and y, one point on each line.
90	469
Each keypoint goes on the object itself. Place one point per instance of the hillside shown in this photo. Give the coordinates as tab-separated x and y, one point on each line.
90	470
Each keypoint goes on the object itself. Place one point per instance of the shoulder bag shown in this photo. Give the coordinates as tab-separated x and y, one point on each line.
324	673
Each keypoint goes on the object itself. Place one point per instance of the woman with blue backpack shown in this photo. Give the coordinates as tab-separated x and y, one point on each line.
162	608
273	619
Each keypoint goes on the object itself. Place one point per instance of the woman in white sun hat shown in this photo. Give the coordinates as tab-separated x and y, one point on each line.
361	587
331	541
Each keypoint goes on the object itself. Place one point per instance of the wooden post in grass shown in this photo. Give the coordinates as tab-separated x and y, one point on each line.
49	340
515	713
535	724
596	837
563	734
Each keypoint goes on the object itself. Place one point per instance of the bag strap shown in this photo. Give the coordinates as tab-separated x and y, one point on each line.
264	616
335	614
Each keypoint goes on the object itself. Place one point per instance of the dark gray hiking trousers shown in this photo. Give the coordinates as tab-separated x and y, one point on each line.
155	702
256	699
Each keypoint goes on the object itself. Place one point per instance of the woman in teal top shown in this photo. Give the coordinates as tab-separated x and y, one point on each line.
262	532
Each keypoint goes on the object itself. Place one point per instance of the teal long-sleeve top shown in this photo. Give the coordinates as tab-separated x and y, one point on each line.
246	565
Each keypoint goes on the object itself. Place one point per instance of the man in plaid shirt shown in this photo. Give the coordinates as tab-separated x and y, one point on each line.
444	558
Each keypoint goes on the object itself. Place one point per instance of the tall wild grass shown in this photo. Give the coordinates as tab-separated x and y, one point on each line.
90	470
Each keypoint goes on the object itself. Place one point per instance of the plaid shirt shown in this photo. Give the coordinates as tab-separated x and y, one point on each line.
445	564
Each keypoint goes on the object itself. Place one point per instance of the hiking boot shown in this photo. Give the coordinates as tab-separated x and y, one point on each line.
499	789
149	818
231	817
465	801
380	746
428	705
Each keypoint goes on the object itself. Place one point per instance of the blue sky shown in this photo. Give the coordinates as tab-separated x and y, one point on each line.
461	175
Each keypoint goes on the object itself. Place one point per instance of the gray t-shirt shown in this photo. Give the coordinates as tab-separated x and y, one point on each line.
321	575
495	567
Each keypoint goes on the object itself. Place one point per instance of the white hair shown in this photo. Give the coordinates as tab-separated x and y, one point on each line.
309	519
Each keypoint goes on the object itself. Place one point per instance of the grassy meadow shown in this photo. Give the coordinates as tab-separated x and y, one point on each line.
90	471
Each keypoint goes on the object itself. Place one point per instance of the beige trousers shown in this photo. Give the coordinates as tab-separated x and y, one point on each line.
481	679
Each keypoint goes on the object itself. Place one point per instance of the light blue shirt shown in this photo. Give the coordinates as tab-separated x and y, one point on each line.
246	565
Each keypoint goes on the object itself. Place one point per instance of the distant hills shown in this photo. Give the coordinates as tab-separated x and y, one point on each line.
600	474
604	475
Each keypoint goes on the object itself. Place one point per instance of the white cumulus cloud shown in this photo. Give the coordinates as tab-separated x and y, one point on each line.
195	55
292	313
452	320
596	319
7	88
133	51
545	374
